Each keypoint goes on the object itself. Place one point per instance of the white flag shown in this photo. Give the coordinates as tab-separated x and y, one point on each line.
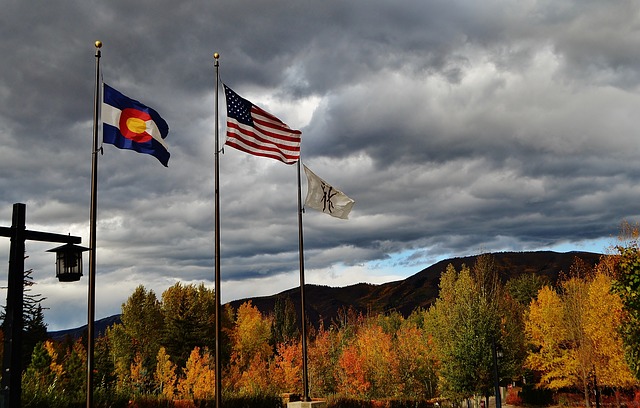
322	197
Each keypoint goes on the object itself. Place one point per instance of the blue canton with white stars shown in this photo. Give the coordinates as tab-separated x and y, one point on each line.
238	107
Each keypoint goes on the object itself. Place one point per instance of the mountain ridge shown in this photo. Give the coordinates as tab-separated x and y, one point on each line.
323	303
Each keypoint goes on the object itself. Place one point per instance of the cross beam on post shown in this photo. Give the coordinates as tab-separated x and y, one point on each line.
13	323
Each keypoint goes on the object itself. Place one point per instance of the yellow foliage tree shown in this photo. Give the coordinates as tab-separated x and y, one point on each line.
248	372
574	333
165	375
138	374
56	368
251	335
602	320
199	378
545	330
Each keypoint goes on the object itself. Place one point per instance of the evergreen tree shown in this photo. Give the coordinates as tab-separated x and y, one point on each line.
34	329
284	326
189	320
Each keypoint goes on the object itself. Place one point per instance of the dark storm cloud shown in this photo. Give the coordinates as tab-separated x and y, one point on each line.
457	127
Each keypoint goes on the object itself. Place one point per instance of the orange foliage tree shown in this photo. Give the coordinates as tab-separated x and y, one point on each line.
417	362
286	370
368	366
323	355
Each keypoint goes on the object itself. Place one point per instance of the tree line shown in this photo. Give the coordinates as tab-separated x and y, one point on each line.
579	334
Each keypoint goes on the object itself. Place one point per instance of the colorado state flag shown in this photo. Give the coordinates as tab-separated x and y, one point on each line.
128	124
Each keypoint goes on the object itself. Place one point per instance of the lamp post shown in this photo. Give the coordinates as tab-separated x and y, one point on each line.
496	354
68	267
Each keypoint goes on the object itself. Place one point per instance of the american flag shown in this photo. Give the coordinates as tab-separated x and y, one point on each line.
255	131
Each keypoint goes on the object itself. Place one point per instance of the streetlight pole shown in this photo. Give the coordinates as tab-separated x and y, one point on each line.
13	323
495	375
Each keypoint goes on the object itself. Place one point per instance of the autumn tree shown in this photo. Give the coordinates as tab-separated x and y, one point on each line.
198	380
165	375
368	365
323	355
251	335
603	318
74	364
575	299
251	351
547	335
555	326
286	369
417	362
573	332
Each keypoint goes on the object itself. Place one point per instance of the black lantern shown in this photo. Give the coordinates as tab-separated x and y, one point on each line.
69	262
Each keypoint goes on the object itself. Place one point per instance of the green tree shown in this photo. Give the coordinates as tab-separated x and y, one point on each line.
34	329
43	378
470	317
139	334
104	365
524	288
189	320
284	325
627	286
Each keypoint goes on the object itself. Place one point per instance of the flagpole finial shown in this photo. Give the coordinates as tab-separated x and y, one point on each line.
98	44
216	55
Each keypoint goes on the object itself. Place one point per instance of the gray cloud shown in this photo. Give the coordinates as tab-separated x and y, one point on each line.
457	127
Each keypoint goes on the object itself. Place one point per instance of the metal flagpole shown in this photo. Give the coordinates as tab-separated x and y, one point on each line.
303	317
92	233
218	370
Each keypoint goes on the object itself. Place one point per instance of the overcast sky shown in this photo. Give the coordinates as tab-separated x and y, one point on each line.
459	127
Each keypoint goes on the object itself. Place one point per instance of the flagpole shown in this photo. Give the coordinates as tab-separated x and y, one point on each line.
92	232
303	317
218	370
